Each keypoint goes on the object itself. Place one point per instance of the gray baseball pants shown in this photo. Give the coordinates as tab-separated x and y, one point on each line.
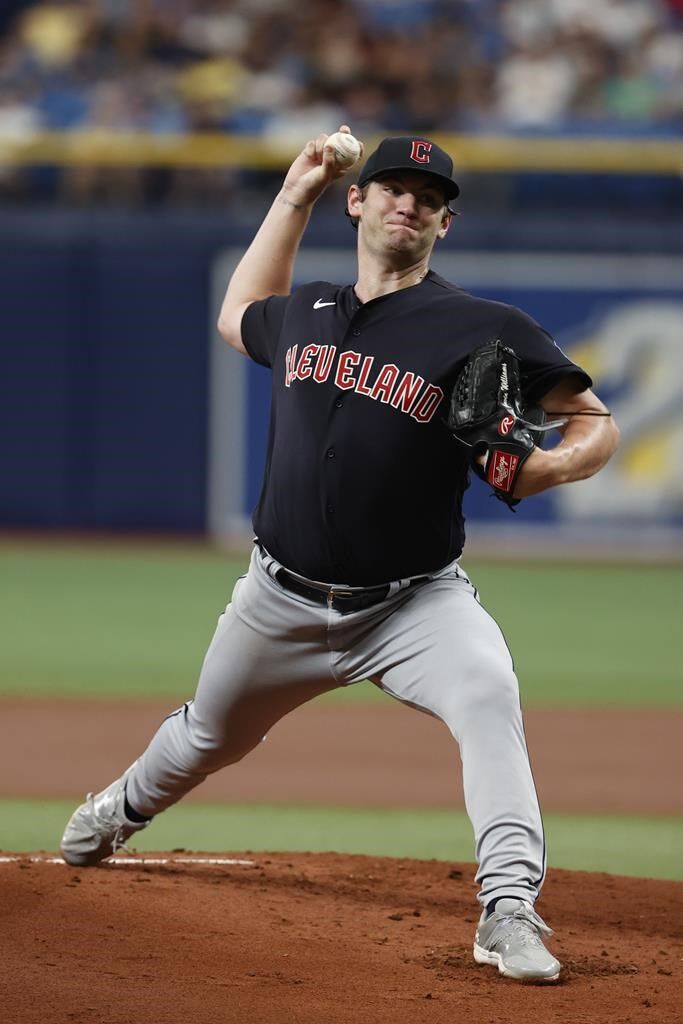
433	647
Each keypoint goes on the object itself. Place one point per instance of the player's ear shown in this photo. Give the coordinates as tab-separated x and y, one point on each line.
354	201
445	223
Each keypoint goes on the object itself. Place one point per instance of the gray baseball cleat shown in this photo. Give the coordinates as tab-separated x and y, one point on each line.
99	827
511	938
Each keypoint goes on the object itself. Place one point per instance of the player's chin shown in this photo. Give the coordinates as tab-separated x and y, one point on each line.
405	240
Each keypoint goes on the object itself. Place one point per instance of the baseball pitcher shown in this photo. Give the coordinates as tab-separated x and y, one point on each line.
387	394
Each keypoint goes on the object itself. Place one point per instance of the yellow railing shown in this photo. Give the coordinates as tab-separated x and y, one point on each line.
471	152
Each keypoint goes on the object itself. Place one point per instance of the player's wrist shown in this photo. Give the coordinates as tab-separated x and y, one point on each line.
538	474
543	470
295	201
299	195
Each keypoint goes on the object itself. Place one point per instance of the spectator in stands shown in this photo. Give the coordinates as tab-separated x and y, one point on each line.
271	68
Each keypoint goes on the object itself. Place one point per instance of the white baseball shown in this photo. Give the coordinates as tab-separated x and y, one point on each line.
347	149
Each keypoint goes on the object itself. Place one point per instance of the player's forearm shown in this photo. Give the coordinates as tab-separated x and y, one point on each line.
586	446
267	266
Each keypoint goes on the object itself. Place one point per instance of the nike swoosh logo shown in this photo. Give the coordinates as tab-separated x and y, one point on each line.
318	304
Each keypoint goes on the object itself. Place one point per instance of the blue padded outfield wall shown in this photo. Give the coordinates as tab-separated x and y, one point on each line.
103	385
119	409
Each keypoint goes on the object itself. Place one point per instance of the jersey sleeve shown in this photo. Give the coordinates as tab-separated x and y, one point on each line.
261	326
543	365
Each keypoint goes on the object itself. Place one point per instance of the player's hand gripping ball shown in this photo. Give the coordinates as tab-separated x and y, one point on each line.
347	148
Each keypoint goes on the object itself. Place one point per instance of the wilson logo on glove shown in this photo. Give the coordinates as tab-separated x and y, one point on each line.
506	425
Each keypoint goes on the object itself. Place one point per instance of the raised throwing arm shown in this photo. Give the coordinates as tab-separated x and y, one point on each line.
268	264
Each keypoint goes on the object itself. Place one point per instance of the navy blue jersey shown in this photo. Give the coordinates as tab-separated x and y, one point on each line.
363	481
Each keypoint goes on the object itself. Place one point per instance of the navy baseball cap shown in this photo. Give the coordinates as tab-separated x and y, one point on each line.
410	153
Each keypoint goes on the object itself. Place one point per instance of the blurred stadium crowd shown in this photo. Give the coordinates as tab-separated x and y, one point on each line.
284	70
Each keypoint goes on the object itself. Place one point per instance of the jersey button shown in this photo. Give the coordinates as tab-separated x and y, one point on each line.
356	333
329	508
338	403
330	453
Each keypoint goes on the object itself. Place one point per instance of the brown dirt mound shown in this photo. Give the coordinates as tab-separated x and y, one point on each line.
300	938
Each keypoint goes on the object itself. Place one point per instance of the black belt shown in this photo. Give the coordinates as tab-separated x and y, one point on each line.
340	598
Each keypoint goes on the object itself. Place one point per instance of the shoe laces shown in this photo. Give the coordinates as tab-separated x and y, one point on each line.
119	842
104	823
525	924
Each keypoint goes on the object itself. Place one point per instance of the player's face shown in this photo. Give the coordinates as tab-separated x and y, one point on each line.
403	214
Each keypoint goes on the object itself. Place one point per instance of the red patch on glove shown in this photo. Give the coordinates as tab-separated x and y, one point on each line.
501	470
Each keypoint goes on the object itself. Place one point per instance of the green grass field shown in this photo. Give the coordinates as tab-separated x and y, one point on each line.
619	845
134	620
113	619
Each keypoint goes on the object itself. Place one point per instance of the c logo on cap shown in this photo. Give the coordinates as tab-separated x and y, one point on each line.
420	152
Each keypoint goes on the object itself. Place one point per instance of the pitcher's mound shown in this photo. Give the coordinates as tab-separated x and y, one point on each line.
273	938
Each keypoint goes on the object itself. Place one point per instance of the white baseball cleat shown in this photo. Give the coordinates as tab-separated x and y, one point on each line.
510	938
99	827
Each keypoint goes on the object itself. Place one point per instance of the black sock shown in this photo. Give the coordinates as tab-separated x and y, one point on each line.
132	814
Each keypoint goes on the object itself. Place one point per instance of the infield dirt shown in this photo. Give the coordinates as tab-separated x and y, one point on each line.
613	760
326	938
307	939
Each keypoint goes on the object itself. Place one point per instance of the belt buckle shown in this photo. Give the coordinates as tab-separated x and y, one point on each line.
337	592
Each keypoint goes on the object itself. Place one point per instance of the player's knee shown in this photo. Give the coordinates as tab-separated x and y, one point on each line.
207	758
490	688
484	694
204	747
221	748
